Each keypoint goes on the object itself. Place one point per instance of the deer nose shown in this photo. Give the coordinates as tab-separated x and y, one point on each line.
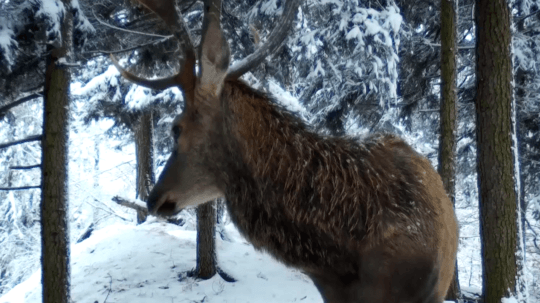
162	204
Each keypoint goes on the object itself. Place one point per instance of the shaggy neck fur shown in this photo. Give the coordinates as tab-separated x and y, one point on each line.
310	200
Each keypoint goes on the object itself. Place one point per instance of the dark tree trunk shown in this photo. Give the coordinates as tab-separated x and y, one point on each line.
54	207
144	145
206	242
496	171
447	147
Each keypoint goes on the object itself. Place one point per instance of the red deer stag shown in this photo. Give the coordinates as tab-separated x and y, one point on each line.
367	221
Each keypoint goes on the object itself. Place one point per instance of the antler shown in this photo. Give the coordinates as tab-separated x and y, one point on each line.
186	77
214	53
273	42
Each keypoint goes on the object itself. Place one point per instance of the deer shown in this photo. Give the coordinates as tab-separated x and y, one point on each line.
367	220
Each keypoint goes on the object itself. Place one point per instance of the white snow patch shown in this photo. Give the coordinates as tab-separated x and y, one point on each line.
509	300
285	99
140	264
8	45
82	22
53	11
98	83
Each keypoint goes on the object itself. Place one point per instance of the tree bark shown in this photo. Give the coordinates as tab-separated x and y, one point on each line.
448	112
206	242
54	206
496	169
144	145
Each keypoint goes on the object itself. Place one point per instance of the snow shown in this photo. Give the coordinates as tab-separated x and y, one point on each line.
354	33
136	264
8	45
319	70
269	7
285	99
138	97
509	300
81	21
98	83
53	11
394	19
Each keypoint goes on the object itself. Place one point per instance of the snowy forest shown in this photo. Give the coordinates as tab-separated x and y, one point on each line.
75	133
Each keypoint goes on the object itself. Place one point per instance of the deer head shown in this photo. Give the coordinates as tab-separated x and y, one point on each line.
185	180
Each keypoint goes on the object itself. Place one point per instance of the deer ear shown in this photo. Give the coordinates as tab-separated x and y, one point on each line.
214	55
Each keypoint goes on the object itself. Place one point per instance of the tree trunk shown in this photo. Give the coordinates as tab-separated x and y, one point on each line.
54	207
144	145
206	242
447	146
496	169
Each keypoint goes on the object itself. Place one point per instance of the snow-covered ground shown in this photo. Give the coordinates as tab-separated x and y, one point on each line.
139	264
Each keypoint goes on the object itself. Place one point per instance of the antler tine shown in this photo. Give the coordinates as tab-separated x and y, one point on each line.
166	10
214	53
159	84
273	42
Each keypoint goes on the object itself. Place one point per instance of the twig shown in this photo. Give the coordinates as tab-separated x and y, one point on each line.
20	188
27	139
7	107
534	232
107	52
127	30
111	212
86	234
138	206
459	47
110	288
525	17
25	167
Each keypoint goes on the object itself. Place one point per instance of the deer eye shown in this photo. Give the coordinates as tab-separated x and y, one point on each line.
176	130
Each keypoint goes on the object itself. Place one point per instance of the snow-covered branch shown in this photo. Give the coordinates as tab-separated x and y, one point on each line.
136	205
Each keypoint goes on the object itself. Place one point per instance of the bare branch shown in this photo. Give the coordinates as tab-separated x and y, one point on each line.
86	233
527	16
7	107
272	43
25	140
127	30
138	206
108	52
166	10
26	167
20	188
459	47
107	209
535	234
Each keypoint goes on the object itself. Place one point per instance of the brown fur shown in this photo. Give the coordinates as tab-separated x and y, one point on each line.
367	220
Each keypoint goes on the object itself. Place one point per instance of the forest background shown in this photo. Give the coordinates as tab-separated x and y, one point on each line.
348	68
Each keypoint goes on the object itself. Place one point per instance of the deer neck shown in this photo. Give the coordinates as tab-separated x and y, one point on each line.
267	137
